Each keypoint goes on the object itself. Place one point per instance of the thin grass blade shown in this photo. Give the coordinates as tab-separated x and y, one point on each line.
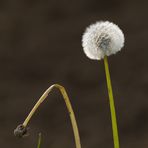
39	141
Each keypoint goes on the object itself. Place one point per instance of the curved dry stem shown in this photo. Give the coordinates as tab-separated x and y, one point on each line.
68	105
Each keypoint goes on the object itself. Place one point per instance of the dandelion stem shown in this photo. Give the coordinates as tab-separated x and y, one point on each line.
112	105
68	105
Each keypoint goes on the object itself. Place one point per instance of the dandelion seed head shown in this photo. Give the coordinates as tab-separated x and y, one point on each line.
102	39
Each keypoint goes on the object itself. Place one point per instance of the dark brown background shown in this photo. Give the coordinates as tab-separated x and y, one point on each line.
40	44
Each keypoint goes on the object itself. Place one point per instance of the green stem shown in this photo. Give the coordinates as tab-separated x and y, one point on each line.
39	141
112	105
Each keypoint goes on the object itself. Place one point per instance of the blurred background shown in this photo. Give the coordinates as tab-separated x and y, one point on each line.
40	44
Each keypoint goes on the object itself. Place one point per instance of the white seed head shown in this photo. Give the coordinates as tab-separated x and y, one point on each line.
102	39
